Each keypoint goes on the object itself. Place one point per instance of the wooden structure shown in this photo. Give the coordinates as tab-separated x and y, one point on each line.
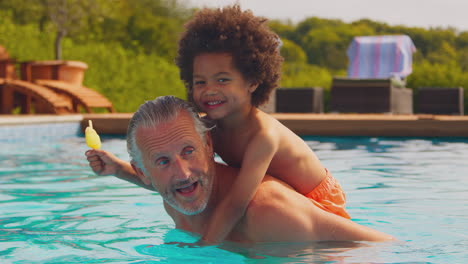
7	68
376	125
369	96
48	87
330	124
377	69
299	100
7	65
71	72
30	98
80	96
442	101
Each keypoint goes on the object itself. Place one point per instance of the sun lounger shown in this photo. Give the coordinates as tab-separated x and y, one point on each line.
299	100
65	78
81	96
440	100
369	96
31	98
378	66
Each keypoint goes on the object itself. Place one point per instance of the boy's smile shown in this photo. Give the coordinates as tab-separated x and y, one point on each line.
213	104
219	89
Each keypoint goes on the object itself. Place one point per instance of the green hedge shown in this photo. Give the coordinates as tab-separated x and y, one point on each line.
128	77
449	75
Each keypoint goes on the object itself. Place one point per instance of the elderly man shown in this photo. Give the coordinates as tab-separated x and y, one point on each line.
171	150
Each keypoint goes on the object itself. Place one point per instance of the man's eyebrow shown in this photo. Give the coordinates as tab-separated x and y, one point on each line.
156	155
188	145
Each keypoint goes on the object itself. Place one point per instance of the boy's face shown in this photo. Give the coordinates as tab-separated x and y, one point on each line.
219	89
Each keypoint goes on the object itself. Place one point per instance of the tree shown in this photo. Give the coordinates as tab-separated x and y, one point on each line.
283	30
67	16
79	18
445	54
292	52
462	40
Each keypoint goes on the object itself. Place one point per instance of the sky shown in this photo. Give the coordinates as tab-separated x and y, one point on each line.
413	13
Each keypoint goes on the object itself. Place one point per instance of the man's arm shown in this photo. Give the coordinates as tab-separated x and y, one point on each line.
278	213
106	163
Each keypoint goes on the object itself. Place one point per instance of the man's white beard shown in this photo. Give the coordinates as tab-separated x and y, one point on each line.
206	186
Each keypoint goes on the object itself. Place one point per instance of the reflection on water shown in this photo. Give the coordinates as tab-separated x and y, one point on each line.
311	252
55	210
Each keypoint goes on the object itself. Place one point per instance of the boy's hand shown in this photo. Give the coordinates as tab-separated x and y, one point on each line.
103	162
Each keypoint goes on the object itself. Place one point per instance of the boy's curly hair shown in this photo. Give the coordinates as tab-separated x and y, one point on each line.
255	49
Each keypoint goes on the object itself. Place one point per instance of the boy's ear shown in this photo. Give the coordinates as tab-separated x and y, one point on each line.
140	174
253	87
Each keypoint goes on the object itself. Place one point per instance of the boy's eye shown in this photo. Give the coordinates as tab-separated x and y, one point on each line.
198	82
223	80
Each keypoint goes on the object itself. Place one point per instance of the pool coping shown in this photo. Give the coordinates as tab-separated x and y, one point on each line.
38	119
302	124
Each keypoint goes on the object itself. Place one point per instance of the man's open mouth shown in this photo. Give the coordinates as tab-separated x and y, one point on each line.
188	189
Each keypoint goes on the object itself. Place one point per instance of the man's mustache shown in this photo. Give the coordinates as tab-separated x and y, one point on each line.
187	182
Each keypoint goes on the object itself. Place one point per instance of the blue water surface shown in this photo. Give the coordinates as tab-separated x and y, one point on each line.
53	209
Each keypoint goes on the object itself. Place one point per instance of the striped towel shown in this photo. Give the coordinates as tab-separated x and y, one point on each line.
380	57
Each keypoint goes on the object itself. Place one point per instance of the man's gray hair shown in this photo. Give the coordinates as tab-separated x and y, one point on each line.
160	110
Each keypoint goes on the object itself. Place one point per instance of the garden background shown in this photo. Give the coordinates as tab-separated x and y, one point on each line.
130	45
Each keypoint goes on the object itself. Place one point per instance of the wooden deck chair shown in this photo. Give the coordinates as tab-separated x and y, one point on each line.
80	95
31	98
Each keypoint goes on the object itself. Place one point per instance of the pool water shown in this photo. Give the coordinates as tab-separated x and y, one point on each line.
53	209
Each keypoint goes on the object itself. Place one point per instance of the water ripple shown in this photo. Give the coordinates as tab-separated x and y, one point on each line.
55	210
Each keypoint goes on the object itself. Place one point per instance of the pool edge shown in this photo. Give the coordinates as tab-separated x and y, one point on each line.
302	124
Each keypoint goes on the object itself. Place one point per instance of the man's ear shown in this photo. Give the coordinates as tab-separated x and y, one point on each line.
209	142
140	174
253	87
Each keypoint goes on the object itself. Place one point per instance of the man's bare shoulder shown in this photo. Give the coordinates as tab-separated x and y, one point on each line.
278	213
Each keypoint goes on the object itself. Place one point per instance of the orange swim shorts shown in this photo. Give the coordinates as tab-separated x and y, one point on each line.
329	196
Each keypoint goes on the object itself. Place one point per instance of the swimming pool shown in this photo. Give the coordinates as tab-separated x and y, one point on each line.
55	210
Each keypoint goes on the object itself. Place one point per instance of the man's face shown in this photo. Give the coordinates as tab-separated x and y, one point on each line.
178	163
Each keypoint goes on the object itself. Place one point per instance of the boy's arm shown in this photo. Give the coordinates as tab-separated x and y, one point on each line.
255	163
106	163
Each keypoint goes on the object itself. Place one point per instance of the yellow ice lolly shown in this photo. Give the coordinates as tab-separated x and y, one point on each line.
92	138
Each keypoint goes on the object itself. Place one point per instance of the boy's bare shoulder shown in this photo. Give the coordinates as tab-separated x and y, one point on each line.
267	123
271	127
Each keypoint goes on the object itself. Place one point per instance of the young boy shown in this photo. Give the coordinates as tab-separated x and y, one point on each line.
230	62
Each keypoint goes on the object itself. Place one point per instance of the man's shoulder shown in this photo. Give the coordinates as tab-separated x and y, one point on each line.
270	193
273	197
276	213
225	175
